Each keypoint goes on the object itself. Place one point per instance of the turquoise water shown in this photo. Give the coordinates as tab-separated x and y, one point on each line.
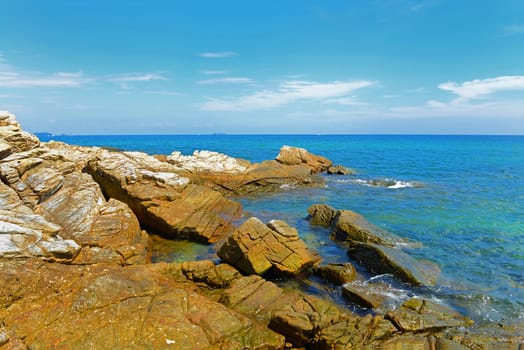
461	197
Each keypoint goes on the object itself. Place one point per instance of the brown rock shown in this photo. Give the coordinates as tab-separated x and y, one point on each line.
380	259
112	307
420	342
336	273
256	248
321	214
356	333
162	199
300	318
294	156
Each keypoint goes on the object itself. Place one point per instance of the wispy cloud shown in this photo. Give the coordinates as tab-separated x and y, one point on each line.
214	72
134	77
514	29
479	88
226	80
164	93
287	92
221	54
421	5
13	79
345	101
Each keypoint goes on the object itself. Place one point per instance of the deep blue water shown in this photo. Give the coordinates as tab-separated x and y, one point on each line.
466	206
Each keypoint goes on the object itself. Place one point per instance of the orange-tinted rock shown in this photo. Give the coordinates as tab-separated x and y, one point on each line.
112	307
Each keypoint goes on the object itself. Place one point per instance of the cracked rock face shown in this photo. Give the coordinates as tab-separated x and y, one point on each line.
256	248
112	307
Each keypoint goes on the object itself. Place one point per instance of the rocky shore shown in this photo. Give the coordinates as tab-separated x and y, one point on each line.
76	270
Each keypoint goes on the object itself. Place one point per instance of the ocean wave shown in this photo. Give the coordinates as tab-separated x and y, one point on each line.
385	183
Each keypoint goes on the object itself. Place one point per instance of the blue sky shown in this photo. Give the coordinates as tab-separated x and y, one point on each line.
170	67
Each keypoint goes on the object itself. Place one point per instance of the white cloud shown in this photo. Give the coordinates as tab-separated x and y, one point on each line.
287	92
477	88
13	79
226	80
133	77
221	54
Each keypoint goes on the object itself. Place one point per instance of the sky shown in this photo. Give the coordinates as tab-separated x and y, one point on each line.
264	66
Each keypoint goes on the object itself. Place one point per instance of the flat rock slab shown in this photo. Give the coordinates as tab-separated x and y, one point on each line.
256	248
380	259
56	306
417	315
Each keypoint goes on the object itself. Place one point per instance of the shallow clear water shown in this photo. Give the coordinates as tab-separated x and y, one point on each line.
461	197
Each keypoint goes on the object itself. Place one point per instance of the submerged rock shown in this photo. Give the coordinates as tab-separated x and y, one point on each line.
380	259
339	170
256	248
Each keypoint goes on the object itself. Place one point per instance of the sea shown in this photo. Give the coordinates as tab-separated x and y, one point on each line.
460	199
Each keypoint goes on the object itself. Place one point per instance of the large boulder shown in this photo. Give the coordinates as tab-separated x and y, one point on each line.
380	259
163	200
256	248
299	156
107	306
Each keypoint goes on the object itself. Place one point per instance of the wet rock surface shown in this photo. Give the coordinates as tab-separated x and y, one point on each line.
336	273
256	248
379	260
